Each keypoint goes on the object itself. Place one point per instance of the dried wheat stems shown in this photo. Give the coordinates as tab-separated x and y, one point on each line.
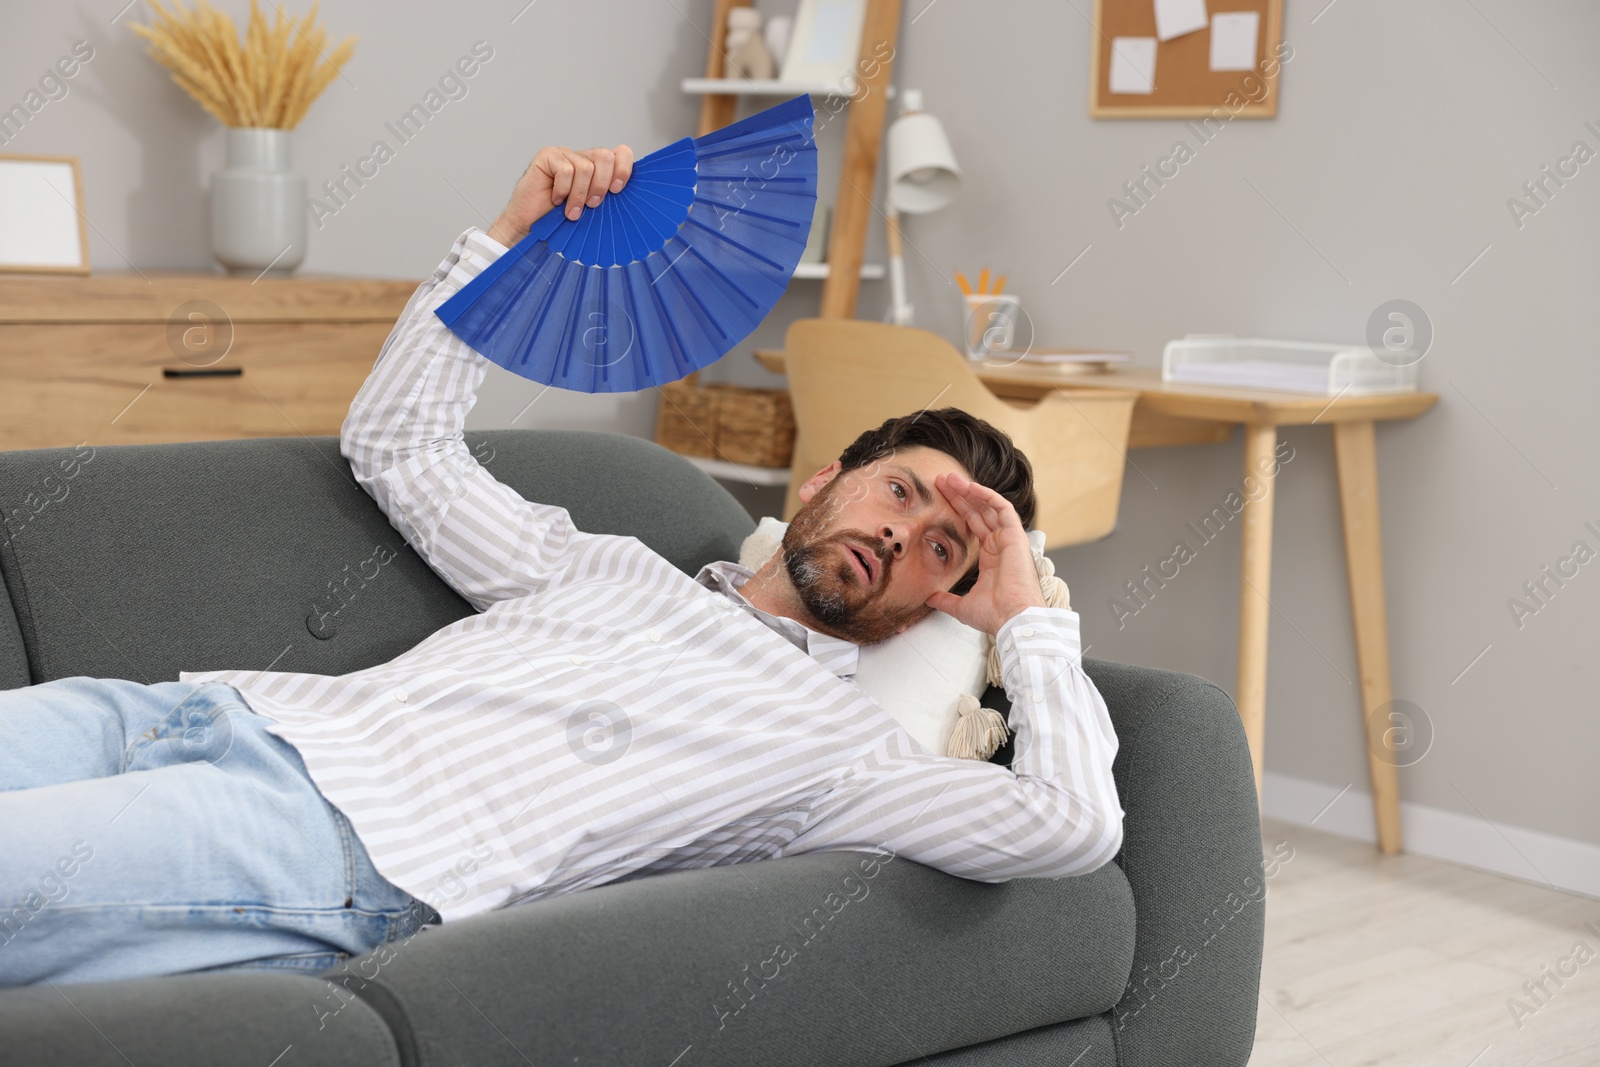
270	81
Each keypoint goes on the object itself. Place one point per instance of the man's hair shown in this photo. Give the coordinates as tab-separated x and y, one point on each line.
986	452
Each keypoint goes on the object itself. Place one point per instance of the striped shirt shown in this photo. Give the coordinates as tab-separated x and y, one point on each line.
603	716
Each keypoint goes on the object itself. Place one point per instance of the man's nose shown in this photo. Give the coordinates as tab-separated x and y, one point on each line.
895	538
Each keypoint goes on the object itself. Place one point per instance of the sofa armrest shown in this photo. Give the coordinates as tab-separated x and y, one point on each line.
827	957
644	969
1192	856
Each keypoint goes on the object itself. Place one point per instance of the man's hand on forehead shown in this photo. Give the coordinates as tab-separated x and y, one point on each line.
1008	580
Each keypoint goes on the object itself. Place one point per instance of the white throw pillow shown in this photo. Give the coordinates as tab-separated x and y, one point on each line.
917	676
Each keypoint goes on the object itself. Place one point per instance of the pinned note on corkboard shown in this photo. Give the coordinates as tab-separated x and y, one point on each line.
1186	58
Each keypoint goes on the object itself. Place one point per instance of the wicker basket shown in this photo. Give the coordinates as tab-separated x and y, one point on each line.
735	423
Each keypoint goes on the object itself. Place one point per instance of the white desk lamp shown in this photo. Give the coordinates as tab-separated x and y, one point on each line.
923	177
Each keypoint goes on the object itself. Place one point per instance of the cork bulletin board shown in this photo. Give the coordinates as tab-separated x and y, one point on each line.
1206	60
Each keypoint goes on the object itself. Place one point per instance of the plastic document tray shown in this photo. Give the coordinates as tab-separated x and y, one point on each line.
1290	366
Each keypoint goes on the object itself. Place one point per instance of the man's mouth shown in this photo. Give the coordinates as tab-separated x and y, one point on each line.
865	563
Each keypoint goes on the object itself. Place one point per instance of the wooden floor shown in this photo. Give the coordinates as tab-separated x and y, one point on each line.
1374	961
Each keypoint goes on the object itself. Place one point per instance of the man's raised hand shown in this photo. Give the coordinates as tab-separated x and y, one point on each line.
1008	580
580	178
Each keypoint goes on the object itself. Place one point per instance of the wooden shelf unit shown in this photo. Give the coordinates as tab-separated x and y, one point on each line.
741	472
869	271
759	87
842	274
847	239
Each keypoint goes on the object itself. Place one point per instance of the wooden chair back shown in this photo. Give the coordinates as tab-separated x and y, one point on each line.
847	376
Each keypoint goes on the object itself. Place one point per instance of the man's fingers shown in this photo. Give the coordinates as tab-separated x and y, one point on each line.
560	169
997	511
623	169
582	179
582	172
600	182
976	489
977	519
988	500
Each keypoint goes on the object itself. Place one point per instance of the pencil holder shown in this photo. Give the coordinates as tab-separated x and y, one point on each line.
990	324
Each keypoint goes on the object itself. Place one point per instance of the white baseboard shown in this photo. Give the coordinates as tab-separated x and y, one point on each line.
1528	855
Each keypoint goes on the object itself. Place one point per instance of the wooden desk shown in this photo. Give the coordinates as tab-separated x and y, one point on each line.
1169	413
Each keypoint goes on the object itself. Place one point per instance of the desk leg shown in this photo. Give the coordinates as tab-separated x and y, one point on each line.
1355	450
1255	577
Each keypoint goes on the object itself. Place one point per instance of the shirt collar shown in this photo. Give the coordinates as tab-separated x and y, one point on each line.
835	653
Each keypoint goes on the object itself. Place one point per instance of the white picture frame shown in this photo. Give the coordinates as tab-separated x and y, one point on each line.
825	44
41	216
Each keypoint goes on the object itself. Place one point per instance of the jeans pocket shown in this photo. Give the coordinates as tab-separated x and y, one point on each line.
407	923
348	844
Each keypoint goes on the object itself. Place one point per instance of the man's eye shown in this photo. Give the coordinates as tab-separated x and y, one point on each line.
944	553
899	490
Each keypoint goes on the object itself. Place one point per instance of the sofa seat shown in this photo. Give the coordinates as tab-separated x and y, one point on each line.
191	1020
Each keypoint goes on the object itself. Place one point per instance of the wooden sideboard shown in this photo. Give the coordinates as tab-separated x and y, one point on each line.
157	356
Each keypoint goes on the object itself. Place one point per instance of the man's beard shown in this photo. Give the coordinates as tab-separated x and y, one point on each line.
826	581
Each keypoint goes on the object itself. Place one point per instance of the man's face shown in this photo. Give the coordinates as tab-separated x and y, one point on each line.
869	546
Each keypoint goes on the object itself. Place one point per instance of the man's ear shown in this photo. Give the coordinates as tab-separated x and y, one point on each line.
817	481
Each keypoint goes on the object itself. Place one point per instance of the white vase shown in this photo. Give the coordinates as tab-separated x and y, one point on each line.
258	206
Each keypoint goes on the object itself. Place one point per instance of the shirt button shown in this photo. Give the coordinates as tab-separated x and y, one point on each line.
577	661
1037	694
1027	632
400	695
654	636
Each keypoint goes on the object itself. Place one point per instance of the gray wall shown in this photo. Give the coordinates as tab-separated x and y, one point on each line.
1402	132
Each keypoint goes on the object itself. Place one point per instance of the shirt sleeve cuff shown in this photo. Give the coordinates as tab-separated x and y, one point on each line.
484	245
1036	631
473	251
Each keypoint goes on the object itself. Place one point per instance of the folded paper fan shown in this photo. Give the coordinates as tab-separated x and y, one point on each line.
663	277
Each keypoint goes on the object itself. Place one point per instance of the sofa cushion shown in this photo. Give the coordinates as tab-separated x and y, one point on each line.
220	1019
879	968
267	555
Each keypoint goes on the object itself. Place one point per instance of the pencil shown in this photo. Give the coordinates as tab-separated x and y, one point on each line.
966	286
983	280
999	285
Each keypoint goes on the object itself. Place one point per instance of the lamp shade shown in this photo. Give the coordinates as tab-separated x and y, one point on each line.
923	175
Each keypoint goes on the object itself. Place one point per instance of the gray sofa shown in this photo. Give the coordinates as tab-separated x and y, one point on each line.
154	558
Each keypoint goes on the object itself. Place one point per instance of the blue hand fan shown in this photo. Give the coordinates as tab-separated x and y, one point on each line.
660	279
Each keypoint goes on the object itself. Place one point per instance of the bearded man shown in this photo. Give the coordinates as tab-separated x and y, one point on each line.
602	716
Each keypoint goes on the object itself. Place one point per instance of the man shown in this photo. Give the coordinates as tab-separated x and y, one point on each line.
602	717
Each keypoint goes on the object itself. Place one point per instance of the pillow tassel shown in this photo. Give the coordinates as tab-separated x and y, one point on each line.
761	545
979	730
1055	596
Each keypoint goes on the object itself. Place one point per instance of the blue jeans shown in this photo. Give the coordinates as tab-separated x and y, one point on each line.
155	829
